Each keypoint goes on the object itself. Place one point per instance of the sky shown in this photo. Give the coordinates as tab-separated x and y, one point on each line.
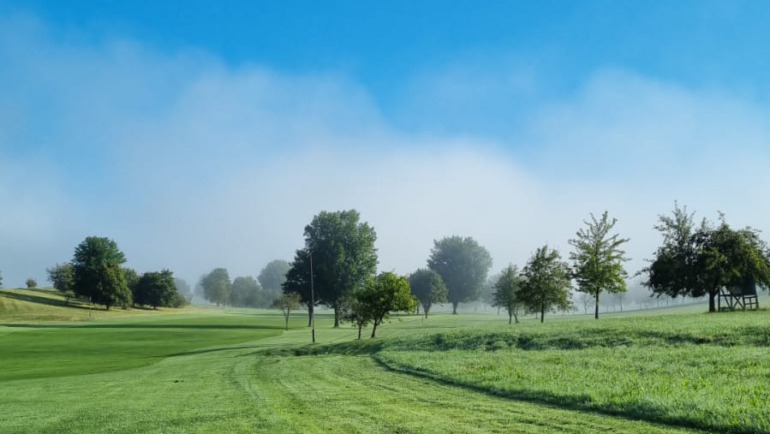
202	134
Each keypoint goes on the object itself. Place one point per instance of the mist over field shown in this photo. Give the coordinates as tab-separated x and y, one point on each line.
191	163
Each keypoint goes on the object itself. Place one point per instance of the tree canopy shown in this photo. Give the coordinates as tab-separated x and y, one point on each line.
62	277
506	293
386	293
298	281
273	275
463	265
598	259
546	283
245	292
155	288
428	287
216	286
343	256
98	274
699	261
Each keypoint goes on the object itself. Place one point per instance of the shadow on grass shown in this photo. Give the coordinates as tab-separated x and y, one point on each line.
145	326
583	403
44	300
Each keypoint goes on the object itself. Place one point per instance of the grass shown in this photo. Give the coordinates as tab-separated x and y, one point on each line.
238	371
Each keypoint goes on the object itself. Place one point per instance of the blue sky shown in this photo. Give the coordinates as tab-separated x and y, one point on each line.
202	134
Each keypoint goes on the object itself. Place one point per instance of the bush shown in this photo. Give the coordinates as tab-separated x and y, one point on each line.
31	283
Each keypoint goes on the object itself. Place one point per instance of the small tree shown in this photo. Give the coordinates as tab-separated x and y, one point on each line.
506	293
546	283
63	279
31	283
598	259
287	302
428	287
357	312
384	294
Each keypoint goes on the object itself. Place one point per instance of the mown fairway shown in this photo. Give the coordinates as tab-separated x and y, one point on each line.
238	371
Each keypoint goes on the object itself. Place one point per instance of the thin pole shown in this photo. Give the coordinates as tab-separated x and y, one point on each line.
312	297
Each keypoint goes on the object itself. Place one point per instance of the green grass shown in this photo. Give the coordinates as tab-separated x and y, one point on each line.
238	371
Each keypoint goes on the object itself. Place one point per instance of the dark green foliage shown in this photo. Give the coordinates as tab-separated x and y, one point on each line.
698	262
1	279
546	283
216	286
98	273
132	280
343	256
31	283
506	293
463	265
384	294
62	277
245	292
287	302
155	289
428	287
298	281
598	259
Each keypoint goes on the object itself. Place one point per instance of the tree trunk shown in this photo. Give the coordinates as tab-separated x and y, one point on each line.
374	328
425	311
286	317
542	312
418	308
336	317
510	317
309	315
596	312
712	299
515	318
454	308
360	326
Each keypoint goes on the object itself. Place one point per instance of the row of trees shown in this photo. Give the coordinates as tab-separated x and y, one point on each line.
96	274
244	291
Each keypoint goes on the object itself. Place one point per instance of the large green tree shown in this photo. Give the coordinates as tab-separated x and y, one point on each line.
343	256
428	287
546	284
273	275
463	265
506	293
698	261
98	273
384	294
245	292
156	288
62	277
216	286
598	259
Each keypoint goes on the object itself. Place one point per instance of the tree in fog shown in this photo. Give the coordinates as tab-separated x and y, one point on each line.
98	273
298	281
463	265
31	283
506	293
216	286
428	287
273	275
62	277
155	289
343	256
382	295
546	283
699	261
183	289
598	259
245	292
287	302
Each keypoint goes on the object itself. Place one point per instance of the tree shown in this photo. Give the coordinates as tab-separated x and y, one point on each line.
699	261
62	277
1	279
598	259
298	281
183	289
132	280
343	256
216	286
546	283
31	283
287	302
273	275
428	287
384	294
156	289
98	273
245	292
506	293
463	265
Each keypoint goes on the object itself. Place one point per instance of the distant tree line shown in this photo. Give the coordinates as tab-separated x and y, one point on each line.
245	291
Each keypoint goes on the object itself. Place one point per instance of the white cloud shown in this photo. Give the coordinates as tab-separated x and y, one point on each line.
190	164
